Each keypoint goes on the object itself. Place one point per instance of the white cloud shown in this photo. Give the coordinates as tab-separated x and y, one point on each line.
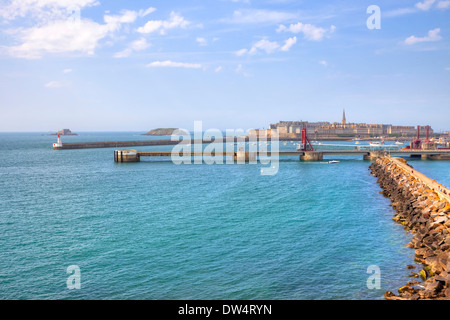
241	52
65	37
310	32
137	45
289	43
124	53
324	63
127	16
250	16
173	64
56	84
448	68
143	13
79	36
433	35
201	41
264	45
43	9
399	12
175	21
240	70
445	4
140	44
218	69
267	46
67	70
425	5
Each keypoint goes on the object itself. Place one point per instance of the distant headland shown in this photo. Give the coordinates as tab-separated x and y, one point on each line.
161	132
64	132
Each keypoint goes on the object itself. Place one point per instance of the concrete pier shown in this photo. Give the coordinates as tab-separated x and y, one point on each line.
245	156
312	156
251	156
374	155
126	156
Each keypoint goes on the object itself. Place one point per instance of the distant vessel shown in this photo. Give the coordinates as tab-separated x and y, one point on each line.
333	161
376	144
399	142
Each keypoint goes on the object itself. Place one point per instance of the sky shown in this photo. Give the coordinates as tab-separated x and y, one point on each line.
109	65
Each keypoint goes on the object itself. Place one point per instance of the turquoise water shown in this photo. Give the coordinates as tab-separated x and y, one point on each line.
155	230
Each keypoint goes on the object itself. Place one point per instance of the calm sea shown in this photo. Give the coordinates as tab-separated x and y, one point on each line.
156	230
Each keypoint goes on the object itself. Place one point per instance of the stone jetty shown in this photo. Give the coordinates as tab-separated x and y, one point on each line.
423	208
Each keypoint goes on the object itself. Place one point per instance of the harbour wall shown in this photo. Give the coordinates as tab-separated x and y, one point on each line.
123	144
423	208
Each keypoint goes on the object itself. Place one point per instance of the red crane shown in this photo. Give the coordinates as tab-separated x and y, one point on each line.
417	143
306	145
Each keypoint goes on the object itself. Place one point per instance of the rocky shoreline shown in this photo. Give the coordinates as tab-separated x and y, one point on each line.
422	211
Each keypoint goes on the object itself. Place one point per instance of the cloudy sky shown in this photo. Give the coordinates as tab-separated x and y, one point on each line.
109	65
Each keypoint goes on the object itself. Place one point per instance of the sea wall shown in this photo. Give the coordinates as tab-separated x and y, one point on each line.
424	210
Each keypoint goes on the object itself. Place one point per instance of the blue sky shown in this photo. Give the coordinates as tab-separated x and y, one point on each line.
97	65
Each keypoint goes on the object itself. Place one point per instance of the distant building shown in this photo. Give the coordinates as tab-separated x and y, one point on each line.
319	130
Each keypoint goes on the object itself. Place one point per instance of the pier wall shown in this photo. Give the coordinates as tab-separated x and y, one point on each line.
422	207
124	144
126	156
312	156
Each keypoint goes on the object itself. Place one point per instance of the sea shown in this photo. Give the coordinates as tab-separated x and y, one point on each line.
74	225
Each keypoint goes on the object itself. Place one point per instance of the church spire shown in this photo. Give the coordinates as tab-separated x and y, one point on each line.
344	120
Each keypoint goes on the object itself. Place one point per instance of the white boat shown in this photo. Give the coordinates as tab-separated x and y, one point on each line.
376	144
333	161
399	143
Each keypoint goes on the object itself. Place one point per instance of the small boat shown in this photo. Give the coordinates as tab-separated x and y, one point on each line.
376	144
333	161
399	142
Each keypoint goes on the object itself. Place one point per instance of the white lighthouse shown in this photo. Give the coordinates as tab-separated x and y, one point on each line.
58	143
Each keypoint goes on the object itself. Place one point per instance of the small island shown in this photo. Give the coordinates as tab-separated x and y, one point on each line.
64	132
160	132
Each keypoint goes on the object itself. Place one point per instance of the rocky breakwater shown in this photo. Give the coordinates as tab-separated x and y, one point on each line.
424	210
